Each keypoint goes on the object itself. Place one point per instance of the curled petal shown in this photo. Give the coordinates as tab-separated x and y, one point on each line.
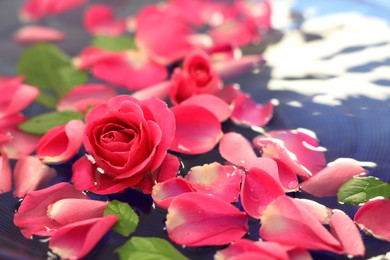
196	219
373	217
84	97
159	90
164	192
221	181
247	112
197	130
61	143
258	190
319	211
100	19
35	34
345	230
76	240
286	216
212	103
5	174
230	68
236	149
30	174
328	181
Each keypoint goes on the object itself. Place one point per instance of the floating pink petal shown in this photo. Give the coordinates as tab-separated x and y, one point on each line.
345	230
230	68
20	144
84	97
35	34
76	240
373	217
31	174
257	191
159	90
164	192
286	216
322	213
247	112
221	181
229	93
5	174
16	97
61	143
236	149
100	19
197	130
327	182
32	218
212	103
196	219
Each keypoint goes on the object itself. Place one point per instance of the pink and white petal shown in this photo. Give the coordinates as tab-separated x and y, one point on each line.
84	97
76	240
34	34
5	174
327	182
229	93
20	144
345	230
373	218
164	192
286	216
322	213
257	191
221	181
159	90
230	68
197	130
236	149
168	169
212	103
247	112
100	19
66	211
197	219
31	174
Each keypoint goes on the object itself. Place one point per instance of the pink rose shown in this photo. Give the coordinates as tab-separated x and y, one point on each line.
128	140
198	77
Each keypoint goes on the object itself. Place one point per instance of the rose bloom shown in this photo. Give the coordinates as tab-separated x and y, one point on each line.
197	77
128	140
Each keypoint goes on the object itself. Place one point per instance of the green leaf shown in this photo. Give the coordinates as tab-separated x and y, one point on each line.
40	124
109	43
360	190
148	248
128	219
48	68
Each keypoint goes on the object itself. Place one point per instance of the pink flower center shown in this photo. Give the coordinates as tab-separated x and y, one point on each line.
116	136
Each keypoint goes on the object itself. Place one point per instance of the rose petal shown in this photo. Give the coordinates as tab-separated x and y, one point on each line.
30	174
212	103
196	219
159	90
221	181
328	181
373	217
231	68
229	93
236	149
319	211
164	192
31	216
84	97
257	191
345	230
197	130
100	19
35	34
247	112
286	216
61	143
5	174
76	240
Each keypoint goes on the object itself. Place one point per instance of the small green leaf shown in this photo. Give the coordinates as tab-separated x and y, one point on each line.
148	248
109	43
128	219
40	124
360	190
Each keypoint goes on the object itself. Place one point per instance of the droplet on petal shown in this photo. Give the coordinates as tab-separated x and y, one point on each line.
247	112
286	216
35	34
196	219
328	181
5	174
221	181
373	217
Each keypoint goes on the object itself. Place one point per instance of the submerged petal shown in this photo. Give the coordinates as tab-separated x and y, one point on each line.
196	219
